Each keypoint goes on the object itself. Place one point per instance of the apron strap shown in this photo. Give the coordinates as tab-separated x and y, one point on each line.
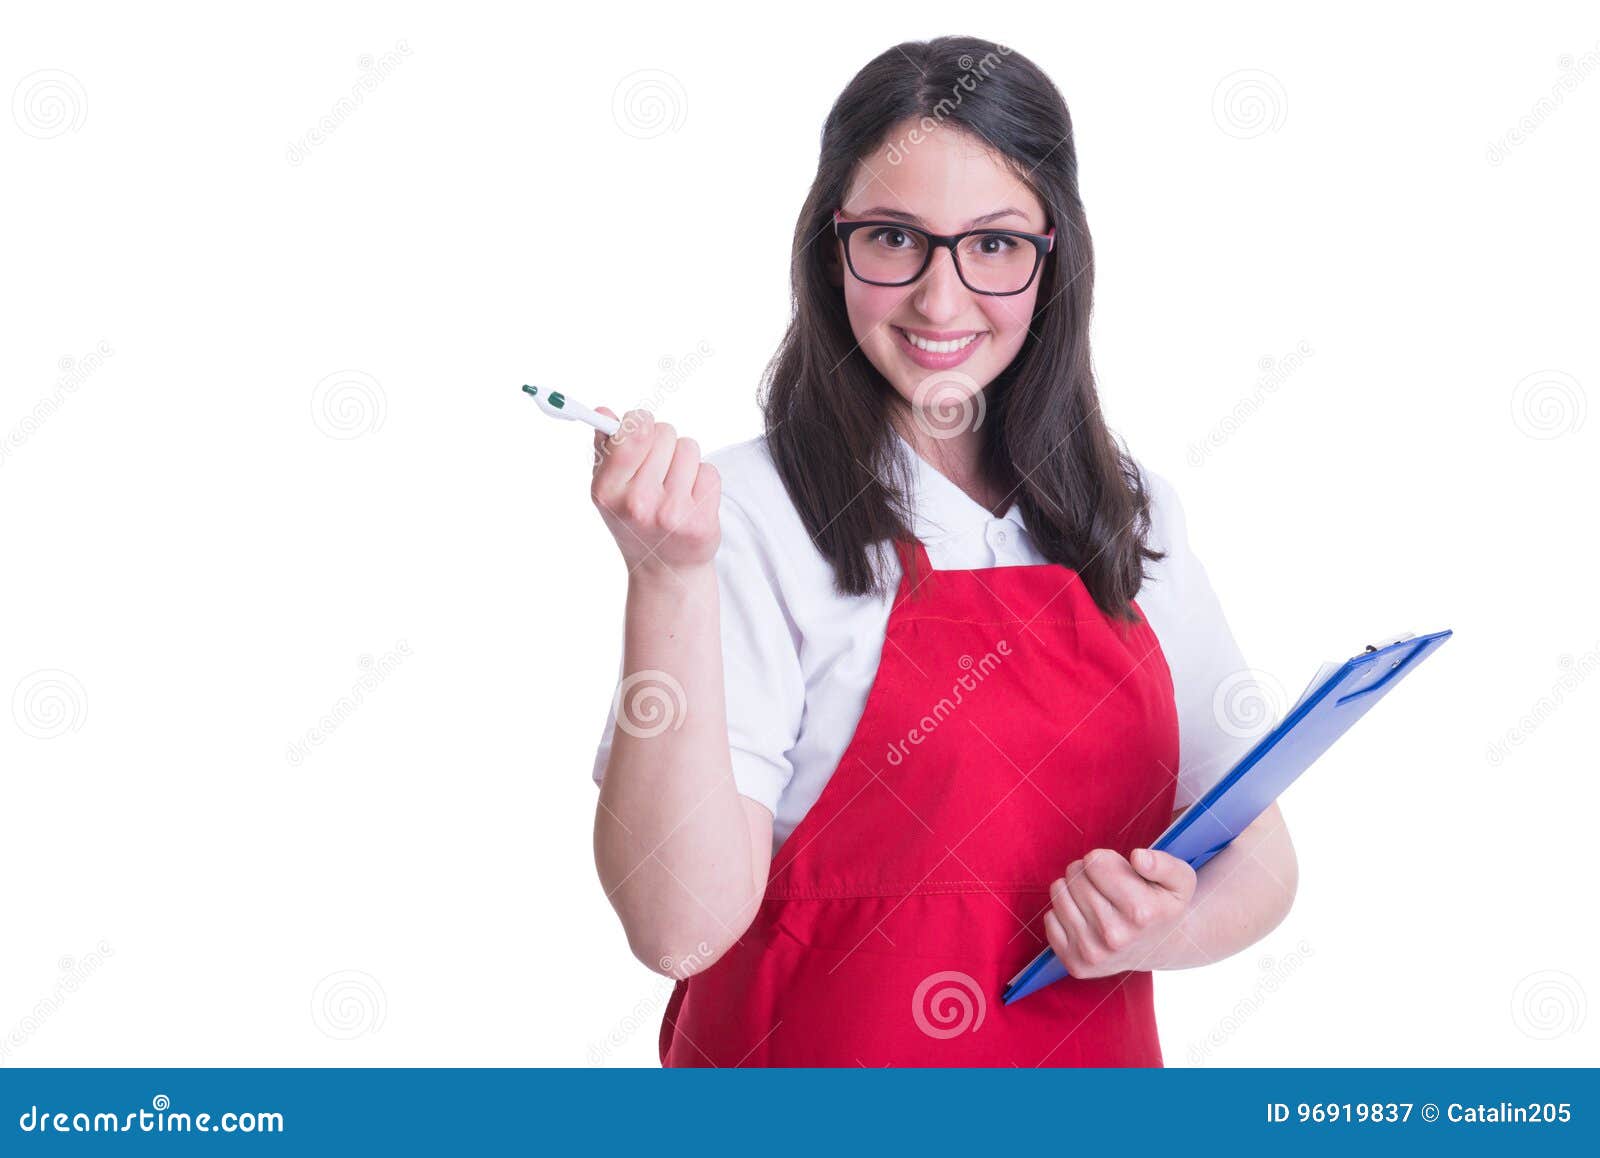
915	567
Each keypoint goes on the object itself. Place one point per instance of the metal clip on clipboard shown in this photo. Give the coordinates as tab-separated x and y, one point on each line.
1337	698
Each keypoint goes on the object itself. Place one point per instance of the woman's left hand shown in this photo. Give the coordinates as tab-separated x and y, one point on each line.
1108	915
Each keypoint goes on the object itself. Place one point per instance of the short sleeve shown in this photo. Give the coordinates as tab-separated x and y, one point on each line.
764	687
1218	698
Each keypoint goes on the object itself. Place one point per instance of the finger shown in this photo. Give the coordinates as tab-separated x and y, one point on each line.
1164	870
1066	911
632	426
1100	915
600	436
684	467
1115	880
707	484
653	471
1056	935
624	452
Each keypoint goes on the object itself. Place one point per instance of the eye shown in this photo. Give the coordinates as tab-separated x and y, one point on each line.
995	245
887	237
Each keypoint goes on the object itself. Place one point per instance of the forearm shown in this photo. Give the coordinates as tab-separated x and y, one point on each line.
1240	896
672	845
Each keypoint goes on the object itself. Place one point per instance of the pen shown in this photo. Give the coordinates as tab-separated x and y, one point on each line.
558	405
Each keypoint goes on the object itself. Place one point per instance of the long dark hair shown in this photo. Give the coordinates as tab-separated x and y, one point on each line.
827	408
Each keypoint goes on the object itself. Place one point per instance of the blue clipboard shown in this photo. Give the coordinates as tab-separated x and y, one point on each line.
1323	714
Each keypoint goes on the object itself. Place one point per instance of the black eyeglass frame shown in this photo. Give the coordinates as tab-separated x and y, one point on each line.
1043	243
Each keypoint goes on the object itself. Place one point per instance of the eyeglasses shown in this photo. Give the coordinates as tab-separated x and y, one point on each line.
997	262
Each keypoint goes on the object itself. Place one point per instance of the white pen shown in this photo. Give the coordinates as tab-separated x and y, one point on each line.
558	405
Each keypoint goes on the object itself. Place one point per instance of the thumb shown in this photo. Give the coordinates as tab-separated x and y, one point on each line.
600	435
1162	868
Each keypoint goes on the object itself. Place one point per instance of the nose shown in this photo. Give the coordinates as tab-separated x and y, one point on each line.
939	292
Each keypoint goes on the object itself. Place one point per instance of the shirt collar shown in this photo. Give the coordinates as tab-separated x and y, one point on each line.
943	510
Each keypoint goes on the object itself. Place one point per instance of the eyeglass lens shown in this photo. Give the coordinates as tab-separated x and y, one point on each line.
990	262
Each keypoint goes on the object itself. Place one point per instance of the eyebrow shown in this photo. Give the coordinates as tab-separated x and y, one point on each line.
912	218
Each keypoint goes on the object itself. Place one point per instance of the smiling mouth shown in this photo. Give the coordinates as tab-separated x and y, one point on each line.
947	347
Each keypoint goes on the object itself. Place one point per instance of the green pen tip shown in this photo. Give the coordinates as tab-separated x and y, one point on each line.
533	390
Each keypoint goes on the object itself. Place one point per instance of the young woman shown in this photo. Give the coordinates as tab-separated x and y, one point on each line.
891	718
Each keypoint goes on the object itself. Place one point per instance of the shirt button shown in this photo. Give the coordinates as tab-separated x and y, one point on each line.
1000	537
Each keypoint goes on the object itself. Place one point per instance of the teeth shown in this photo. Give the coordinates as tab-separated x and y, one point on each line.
939	347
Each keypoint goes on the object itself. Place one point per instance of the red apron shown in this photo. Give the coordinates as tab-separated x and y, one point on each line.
1011	728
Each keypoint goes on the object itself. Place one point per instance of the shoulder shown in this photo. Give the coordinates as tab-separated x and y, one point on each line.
1169	532
1172	595
749	476
763	536
757	503
764	539
1197	642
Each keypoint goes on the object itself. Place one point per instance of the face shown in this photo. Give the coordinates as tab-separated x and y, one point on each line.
946	181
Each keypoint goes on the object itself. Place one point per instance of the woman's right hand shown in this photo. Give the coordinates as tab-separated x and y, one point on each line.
658	499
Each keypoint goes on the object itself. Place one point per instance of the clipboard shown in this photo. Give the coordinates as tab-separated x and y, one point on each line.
1338	696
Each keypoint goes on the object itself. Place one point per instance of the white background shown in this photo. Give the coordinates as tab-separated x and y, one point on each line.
198	554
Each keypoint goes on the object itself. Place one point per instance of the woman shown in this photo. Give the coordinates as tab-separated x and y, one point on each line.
891	716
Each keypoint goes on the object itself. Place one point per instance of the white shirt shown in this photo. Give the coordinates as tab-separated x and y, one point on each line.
799	658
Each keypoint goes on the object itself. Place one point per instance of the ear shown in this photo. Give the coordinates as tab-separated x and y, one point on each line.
1047	287
833	262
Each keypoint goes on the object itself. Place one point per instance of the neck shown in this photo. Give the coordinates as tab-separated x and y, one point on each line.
955	455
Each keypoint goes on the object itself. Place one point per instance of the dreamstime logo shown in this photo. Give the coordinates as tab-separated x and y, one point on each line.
649	103
1245	702
1274	972
74	972
49	103
349	1004
1249	103
648	703
674	372
681	967
948	403
1548	404
1575	670
373	673
74	372
374	71
1274	372
627	426
972	72
945	708
645	1013
948	1004
49	703
1573	73
1549	1004
348	404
